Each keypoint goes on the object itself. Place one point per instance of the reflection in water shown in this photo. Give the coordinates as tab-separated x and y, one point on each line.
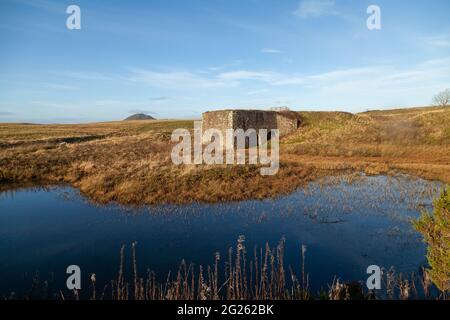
347	223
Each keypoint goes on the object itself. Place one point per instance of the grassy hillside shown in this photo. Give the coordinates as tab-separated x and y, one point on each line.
129	162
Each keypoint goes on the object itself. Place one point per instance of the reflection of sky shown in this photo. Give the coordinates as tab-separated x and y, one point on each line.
345	227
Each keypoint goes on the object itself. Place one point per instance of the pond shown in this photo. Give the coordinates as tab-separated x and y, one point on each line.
346	223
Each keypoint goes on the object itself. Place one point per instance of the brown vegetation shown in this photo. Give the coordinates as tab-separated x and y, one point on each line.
129	162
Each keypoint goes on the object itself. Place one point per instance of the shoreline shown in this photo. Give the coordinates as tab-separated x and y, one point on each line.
350	175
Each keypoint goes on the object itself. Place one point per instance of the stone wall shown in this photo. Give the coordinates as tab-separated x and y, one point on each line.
287	122
220	120
254	119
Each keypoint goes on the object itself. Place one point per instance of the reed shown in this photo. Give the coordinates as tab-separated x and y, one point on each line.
263	278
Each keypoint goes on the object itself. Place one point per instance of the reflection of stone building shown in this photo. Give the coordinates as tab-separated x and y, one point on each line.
285	121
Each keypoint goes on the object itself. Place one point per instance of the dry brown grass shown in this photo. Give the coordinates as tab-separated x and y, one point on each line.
129	162
415	141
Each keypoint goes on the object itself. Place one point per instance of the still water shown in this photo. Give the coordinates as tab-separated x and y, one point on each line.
346	226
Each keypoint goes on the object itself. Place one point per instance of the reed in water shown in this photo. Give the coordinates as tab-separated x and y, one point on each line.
262	277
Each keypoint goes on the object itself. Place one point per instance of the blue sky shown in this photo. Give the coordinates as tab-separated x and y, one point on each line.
177	59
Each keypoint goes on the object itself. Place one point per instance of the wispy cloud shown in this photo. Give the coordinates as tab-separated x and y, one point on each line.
58	105
6	113
159	98
187	80
374	76
235	76
344	87
315	8
269	77
350	73
256	92
177	79
270	50
234	63
370	76
119	104
58	86
442	41
134	111
50	6
87	75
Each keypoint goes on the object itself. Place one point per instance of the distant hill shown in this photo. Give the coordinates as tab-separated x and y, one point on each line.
140	116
